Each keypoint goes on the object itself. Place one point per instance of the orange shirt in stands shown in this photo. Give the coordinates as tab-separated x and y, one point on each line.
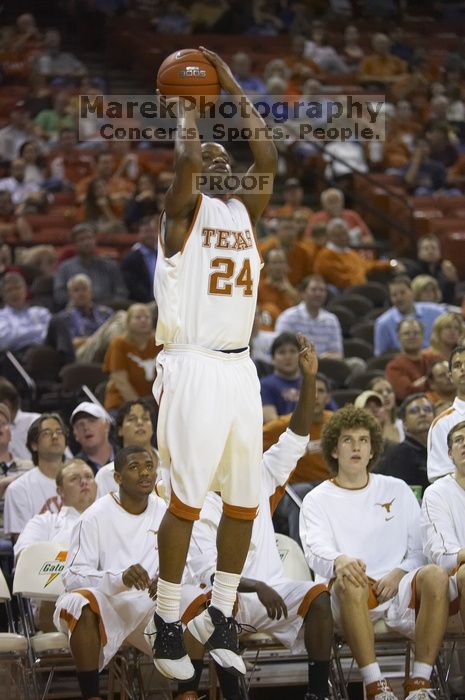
375	66
299	259
345	268
310	467
139	365
352	219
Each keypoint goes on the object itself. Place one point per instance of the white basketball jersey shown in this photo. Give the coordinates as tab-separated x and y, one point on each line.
207	292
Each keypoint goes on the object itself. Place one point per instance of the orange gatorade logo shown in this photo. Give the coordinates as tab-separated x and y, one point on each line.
52	569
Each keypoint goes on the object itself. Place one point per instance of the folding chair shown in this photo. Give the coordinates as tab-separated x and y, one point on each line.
38	577
14	659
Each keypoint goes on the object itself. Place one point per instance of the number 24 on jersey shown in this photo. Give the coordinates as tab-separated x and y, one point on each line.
225	278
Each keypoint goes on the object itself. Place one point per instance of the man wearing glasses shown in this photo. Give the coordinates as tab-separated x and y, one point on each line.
407	460
35	491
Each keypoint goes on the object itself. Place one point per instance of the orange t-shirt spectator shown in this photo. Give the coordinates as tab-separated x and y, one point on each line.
299	260
130	359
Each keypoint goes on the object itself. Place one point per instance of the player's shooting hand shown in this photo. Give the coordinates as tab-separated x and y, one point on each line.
225	77
387	587
274	604
153	588
136	576
308	361
350	569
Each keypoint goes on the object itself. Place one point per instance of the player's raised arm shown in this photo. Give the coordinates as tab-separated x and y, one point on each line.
264	151
180	199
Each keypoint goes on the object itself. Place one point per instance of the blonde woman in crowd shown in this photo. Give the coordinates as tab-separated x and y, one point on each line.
393	429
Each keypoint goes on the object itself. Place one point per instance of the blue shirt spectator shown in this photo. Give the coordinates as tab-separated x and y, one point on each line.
20	325
280	390
403	306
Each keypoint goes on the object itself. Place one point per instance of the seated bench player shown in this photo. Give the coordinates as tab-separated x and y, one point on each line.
267	600
110	575
443	521
361	535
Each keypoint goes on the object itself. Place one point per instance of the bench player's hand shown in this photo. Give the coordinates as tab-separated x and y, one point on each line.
136	576
308	361
350	569
225	77
386	587
153	588
274	604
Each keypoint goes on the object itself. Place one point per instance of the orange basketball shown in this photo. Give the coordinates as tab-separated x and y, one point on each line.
187	73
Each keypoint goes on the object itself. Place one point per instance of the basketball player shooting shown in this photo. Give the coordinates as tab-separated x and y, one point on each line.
210	416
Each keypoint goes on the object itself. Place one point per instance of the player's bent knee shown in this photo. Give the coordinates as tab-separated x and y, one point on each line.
432	581
320	607
352	593
87	620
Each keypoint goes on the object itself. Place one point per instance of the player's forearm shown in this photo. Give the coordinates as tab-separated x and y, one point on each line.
303	412
187	144
249	585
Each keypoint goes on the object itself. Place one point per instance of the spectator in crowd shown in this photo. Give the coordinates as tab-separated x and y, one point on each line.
393	429
53	63
99	209
352	52
275	292
310	318
34	170
441	388
374	404
426	288
403	306
27	194
381	66
339	524
144	202
130	360
76	489
107	282
19	129
67	164
299	260
320	51
12	222
311	468
120	189
332	207
10	467
20	325
442	149
407	459
91	428
300	66
21	421
317	239
280	390
26	36
429	261
292	206
70	329
241	67
49	122
408	370
134	425
439	461
204	14
424	176
138	266
35	491
39	95
447	331
341	266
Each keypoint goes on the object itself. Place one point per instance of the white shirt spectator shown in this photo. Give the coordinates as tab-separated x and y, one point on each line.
20	328
19	190
324	330
439	463
29	495
48	527
442	522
